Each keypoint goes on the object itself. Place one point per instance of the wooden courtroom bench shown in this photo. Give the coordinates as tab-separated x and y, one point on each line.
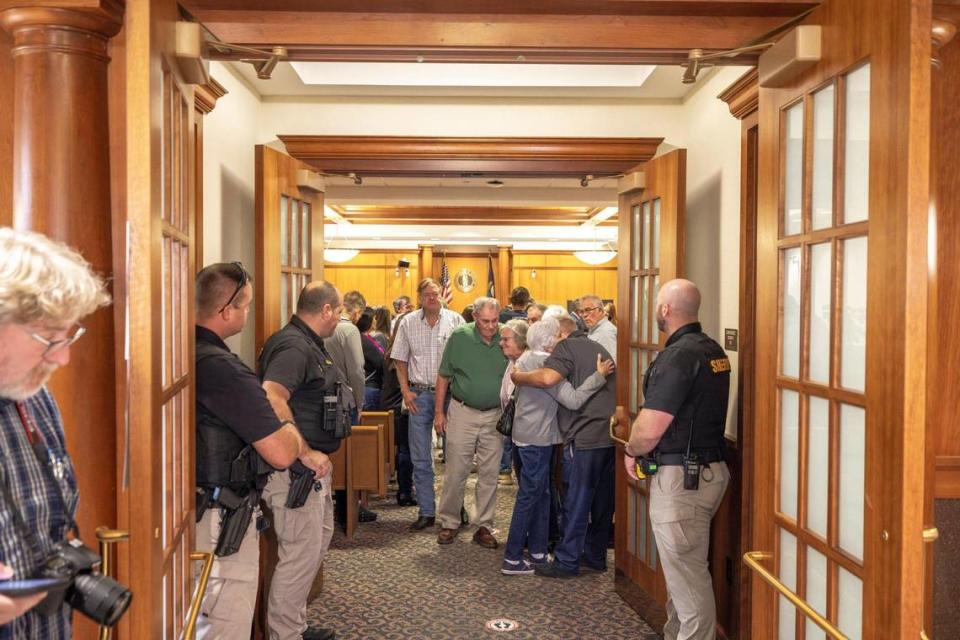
358	467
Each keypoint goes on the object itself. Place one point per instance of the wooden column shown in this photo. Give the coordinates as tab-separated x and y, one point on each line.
426	261
61	187
503	274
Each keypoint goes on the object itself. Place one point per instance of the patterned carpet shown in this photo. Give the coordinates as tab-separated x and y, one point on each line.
390	583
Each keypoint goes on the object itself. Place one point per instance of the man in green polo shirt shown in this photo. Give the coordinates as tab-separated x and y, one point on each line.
472	370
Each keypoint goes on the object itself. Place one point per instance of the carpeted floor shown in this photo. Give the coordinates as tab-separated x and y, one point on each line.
390	583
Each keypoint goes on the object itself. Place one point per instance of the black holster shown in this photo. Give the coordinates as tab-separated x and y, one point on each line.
302	481
234	521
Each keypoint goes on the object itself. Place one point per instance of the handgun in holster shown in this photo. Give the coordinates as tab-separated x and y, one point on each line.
236	512
302	481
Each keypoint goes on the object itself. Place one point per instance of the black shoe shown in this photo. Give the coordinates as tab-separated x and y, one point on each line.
464	518
422	523
365	515
589	566
316	633
406	500
553	570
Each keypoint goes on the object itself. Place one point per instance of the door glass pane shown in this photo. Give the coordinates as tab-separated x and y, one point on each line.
284	295
635	310
791	313
646	235
284	238
635	232
295	232
642	543
304	235
820	287
655	263
789	451
823	103
653	310
788	576
856	157
631	520
643	371
644	309
850	605
852	452
634	378
816	590
853	337
793	170
818	465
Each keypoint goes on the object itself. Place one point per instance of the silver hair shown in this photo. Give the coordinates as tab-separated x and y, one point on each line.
483	302
519	327
542	336
45	281
554	311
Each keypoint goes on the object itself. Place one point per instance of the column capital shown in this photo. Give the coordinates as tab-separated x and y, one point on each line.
27	20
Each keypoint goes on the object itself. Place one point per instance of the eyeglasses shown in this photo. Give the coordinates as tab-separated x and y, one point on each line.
587	310
54	346
241	283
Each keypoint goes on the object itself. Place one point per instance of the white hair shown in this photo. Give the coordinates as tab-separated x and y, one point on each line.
483	302
554	311
46	281
542	336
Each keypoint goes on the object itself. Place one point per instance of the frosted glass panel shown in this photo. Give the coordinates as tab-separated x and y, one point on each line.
788	576
644	309
305	235
284	296
793	170
635	232
284	237
818	465
790	344
853	337
635	310
816	590
634	378
656	234
789	451
852	453
646	235
295	232
820	286
850	605
653	309
823	103
856	159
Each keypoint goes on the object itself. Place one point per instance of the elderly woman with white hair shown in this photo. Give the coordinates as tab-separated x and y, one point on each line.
535	432
513	343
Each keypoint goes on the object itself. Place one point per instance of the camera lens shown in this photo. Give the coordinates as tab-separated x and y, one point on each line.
100	598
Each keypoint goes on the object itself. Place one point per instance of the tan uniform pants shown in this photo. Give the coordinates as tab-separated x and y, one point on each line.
681	525
303	537
228	604
469	430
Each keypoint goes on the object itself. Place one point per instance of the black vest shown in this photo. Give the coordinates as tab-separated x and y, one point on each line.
223	459
307	400
705	408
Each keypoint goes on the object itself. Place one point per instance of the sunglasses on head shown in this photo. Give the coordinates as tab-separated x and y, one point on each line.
244	277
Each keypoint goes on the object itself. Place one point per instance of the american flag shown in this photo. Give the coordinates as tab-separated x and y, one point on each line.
445	291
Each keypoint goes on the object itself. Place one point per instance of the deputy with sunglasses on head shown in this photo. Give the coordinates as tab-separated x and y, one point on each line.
237	432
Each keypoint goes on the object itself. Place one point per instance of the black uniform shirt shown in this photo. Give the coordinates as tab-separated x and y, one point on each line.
228	389
690	380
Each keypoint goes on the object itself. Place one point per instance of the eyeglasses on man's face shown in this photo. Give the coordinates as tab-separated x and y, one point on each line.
242	278
54	346
586	310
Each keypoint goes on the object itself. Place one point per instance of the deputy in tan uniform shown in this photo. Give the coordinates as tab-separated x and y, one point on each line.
236	427
300	379
678	438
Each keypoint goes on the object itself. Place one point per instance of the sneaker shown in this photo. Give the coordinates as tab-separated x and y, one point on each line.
537	560
519	568
553	570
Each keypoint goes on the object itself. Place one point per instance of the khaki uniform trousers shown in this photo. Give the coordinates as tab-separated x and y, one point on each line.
228	604
303	537
681	525
470	430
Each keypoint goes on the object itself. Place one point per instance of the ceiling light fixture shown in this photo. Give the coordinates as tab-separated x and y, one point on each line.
606	253
339	255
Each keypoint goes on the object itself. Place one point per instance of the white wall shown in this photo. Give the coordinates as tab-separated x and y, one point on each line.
229	135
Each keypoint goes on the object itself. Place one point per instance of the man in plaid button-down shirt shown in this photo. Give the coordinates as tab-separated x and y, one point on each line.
45	289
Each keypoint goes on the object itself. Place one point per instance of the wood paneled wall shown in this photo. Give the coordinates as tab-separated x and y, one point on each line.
559	276
373	273
6	130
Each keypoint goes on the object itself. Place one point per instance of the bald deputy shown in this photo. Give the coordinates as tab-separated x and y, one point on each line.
680	427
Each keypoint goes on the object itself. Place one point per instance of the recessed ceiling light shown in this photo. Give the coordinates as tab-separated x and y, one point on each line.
496	184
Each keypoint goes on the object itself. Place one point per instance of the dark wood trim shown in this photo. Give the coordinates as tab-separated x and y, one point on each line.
473	215
652	612
412	155
743	96
206	95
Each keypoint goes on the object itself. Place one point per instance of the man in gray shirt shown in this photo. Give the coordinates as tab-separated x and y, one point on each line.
588	457
599	329
346	349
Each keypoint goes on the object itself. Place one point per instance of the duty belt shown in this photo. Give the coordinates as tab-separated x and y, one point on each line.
676	459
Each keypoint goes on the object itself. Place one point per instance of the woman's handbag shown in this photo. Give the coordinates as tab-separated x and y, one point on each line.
505	423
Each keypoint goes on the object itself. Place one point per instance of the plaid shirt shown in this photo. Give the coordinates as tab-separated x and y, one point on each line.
39	505
421	346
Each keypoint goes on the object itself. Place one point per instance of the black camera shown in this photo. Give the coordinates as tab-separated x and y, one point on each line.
99	597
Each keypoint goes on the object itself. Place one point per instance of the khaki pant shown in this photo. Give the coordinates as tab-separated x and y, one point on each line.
228	604
681	525
469	430
303	537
